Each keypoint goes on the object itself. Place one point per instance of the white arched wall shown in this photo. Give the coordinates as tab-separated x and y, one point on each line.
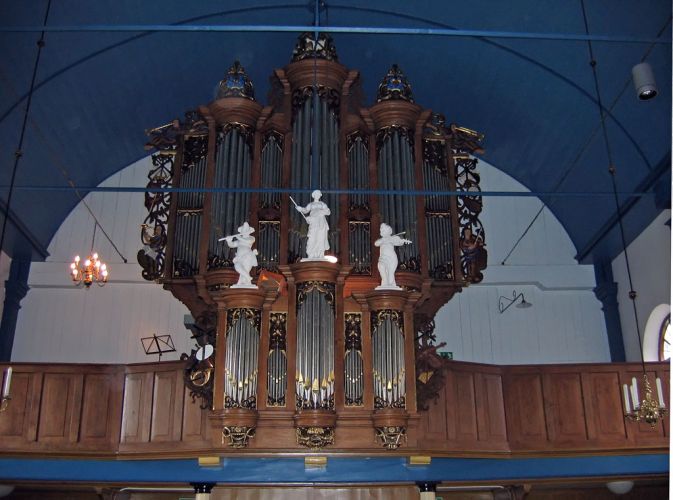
61	323
565	324
650	263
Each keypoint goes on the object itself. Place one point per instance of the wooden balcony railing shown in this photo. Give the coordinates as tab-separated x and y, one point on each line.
483	410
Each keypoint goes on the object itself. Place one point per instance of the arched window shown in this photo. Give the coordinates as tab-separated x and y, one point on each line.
655	332
665	339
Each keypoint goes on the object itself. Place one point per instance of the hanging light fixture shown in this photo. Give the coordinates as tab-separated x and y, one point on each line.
648	409
91	270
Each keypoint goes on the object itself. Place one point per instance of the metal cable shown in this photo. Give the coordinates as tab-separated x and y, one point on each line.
612	170
18	153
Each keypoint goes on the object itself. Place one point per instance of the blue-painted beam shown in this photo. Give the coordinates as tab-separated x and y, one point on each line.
409	192
338	470
257	28
646	185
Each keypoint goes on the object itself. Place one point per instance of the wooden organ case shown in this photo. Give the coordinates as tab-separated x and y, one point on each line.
314	356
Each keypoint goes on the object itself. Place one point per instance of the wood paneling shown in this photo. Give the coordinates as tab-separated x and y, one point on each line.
18	424
60	407
482	409
524	405
167	406
137	407
603	406
564	408
194	421
490	409
101	410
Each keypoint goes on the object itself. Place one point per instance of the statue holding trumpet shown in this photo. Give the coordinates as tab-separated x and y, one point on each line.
246	257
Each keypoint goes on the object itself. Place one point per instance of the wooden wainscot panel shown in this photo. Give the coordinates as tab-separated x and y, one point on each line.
564	407
604	408
101	411
465	407
167	406
60	408
18	424
491	425
433	431
194	420
524	406
138	388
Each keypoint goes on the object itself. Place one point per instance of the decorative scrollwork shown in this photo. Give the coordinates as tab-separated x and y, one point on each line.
383	135
396	317
249	403
380	403
218	262
353	331
429	364
244	131
355	137
195	150
237	436
353	359
153	233
394	86
278	330
277	360
182	268
323	287
331	96
253	316
391	436
198	372
436	126
464	142
434	154
315	438
412	264
307	47
236	83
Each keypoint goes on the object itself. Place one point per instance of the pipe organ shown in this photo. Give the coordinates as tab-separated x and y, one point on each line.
313	353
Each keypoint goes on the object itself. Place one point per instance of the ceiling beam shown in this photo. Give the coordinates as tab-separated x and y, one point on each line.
647	184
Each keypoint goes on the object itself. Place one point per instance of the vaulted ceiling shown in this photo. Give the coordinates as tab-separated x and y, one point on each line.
101	83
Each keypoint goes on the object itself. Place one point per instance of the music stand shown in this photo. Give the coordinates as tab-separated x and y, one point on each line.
158	344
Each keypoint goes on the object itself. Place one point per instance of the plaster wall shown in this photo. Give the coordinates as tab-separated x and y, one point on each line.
565	323
59	322
650	262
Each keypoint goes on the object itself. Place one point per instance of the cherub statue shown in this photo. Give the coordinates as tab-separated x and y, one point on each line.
246	257
318	228
387	257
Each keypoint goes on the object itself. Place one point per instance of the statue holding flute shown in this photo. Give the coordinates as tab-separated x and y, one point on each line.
246	257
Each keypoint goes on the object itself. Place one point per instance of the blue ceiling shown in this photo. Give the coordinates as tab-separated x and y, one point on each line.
534	99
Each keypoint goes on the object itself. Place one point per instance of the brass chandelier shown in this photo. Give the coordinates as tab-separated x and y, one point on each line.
91	270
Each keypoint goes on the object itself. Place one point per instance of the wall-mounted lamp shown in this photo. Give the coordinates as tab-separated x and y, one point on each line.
505	303
6	384
643	80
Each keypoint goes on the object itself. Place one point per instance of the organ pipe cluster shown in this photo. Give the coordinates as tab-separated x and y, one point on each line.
388	349
241	367
315	346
